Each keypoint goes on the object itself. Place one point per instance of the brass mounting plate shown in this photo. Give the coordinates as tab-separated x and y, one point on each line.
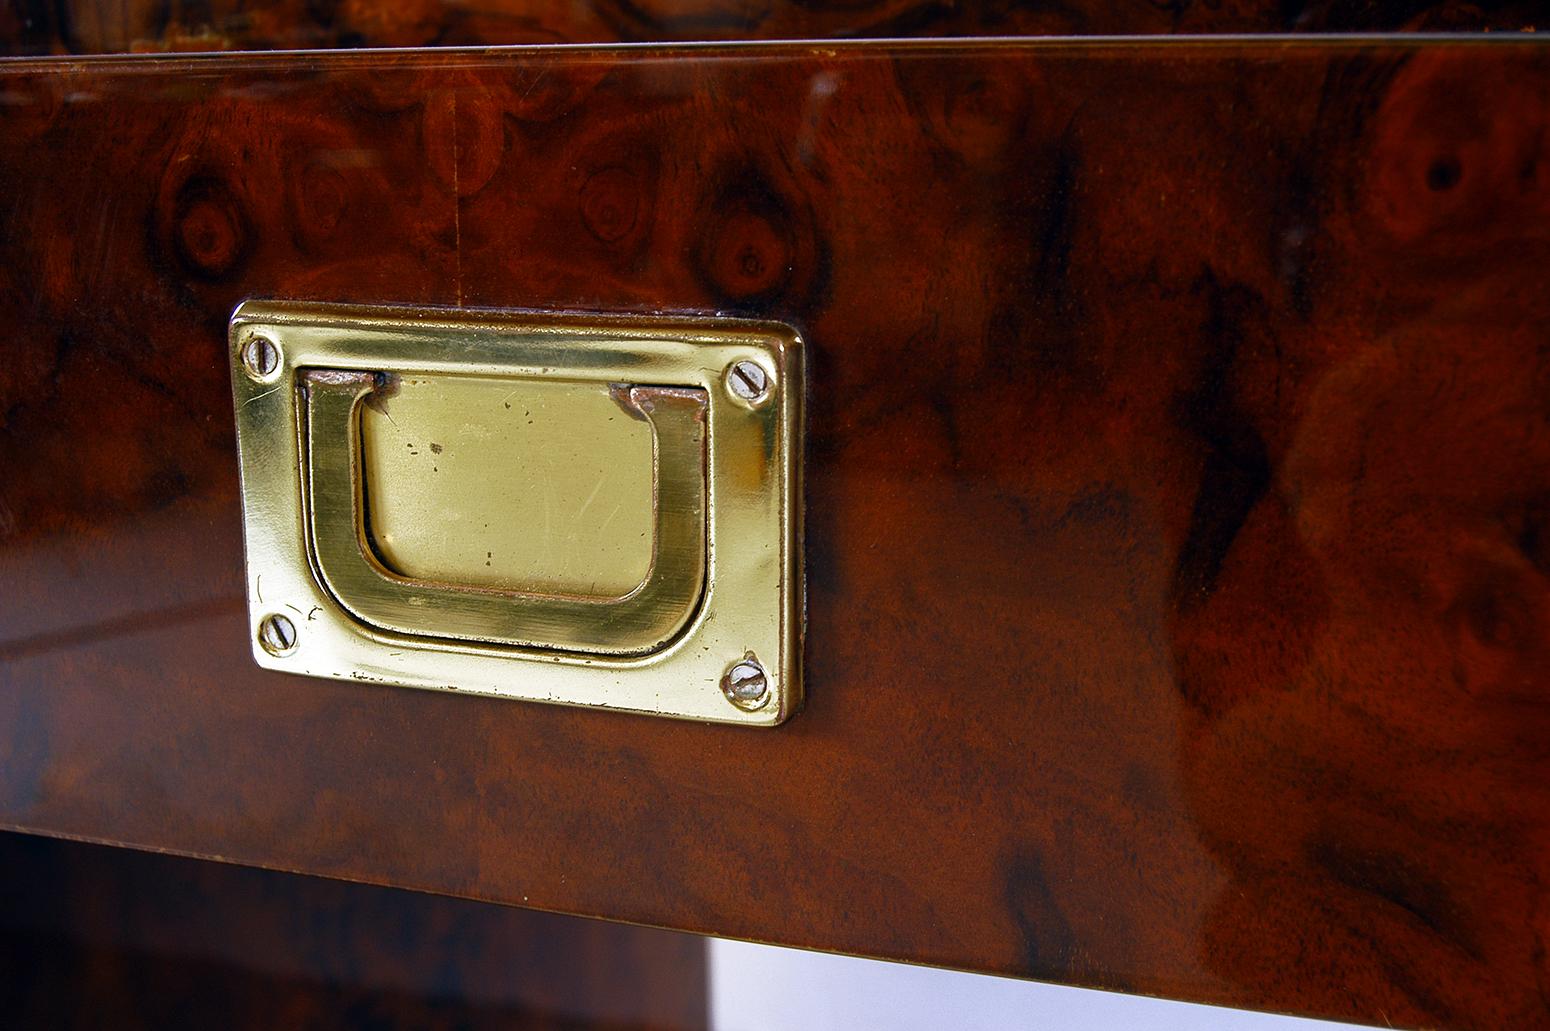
723	581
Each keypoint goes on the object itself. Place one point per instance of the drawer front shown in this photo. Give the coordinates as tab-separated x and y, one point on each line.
1177	492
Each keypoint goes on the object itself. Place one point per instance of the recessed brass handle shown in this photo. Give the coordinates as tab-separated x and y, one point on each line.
452	499
637	622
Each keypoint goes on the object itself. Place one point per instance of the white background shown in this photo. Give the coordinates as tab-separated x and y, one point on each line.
761	988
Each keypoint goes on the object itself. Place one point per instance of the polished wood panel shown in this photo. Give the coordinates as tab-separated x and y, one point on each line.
94	937
1177	489
122	26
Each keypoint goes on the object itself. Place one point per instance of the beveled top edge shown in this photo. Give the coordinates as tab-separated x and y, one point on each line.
465	56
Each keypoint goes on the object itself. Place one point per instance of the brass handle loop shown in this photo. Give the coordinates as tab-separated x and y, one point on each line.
635	623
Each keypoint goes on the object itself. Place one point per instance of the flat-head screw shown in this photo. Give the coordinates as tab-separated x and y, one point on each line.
748	380
746	685
260	357
277	634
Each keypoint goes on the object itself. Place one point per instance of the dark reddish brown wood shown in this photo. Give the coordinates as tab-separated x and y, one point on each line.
1178	467
92	937
122	26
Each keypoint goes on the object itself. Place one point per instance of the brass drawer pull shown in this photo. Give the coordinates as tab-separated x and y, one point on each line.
419	502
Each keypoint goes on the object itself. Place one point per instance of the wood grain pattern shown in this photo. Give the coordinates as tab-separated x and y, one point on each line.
122	26
93	937
1178	482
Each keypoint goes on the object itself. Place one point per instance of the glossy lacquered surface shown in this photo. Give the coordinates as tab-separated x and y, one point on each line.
1177	486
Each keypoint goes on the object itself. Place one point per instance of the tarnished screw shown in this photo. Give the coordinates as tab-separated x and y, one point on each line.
746	685
749	381
277	634
260	356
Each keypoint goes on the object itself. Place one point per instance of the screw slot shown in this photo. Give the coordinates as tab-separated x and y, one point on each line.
746	685
277	635
749	381
260	357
